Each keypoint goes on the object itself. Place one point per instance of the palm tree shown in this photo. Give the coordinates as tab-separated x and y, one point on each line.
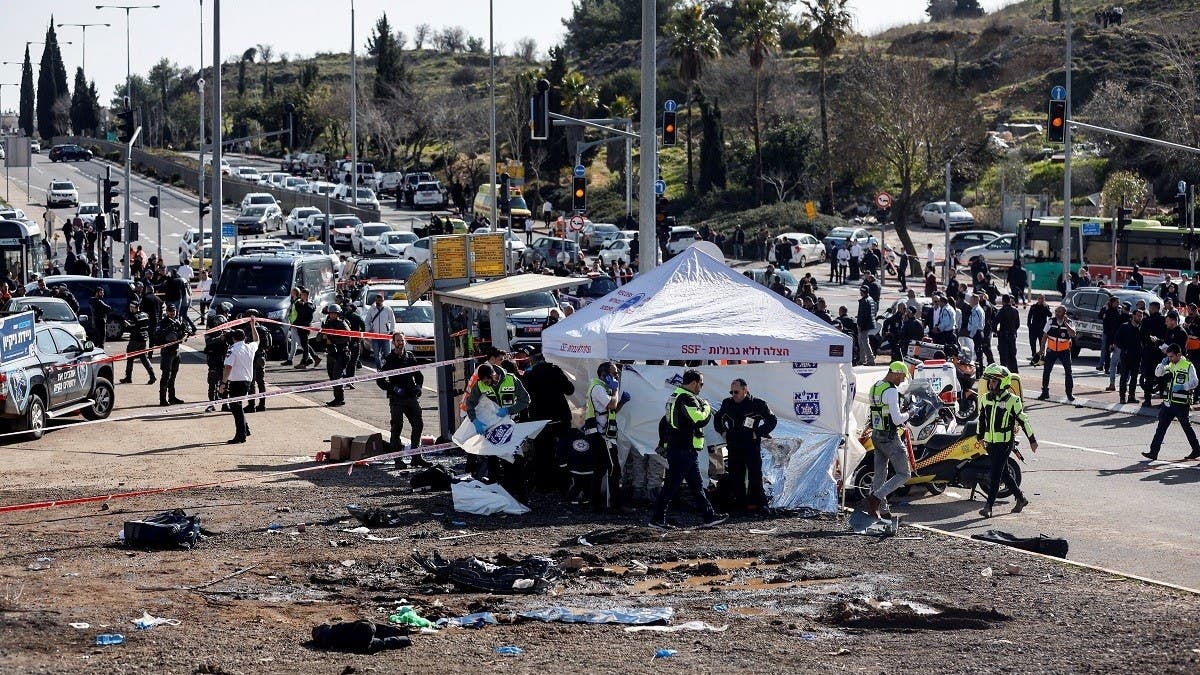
757	31
265	52
694	41
579	97
621	108
829	22
247	57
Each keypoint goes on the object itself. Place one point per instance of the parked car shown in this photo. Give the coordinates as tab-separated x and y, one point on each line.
61	376
430	194
788	279
1084	305
390	290
189	242
528	314
838	236
259	199
317	248
998	252
596	235
681	237
365	235
341	230
53	311
69	152
418	251
617	249
259	219
226	168
248	174
546	249
593	288
961	241
203	257
322	188
35	145
62	192
295	184
259	246
393	243
88	211
275	179
297	220
805	248
366	196
941	214
264	283
393	269
415	321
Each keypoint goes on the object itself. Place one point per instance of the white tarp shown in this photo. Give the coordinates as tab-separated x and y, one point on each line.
695	307
482	499
502	438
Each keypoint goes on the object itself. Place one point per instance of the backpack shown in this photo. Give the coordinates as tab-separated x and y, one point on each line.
169	529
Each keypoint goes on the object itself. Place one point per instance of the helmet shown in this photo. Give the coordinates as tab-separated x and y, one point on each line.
998	373
333	309
226	308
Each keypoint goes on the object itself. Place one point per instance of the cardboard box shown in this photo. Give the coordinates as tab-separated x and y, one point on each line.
339	448
366	446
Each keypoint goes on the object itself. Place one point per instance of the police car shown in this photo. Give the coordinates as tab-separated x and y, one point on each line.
48	374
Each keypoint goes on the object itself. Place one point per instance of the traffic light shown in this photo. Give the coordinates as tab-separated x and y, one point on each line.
154	206
125	125
114	234
1123	219
205	207
1056	123
660	210
669	129
579	193
133	231
1181	210
539	112
503	200
110	195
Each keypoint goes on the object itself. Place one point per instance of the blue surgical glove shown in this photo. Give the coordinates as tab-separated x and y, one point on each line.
625	397
502	412
480	427
611	382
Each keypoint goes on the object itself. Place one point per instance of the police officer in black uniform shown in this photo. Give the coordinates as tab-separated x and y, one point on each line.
355	321
170	331
744	421
99	319
403	391
138	324
260	366
214	357
337	349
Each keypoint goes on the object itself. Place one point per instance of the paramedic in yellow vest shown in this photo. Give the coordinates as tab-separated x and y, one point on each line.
493	357
886	420
604	399
1181	379
687	414
1056	345
1000	412
503	389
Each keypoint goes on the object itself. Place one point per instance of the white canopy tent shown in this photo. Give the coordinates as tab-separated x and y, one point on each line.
696	308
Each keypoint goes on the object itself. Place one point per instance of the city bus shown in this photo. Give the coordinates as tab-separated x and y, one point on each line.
1155	247
21	250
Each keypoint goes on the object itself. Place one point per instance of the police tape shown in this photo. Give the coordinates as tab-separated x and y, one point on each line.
294	389
113	358
408	452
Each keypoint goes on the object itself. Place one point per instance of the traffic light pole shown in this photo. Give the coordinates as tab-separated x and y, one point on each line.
648	164
128	189
218	239
158	208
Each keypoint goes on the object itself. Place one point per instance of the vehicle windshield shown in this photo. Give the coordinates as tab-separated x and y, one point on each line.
346	221
605	229
388	291
304	213
365	193
60	185
414	314
954	208
532	301
51	311
427	187
841	233
389	269
600	287
89	209
254	211
517	203
263	199
248	278
399	237
375	230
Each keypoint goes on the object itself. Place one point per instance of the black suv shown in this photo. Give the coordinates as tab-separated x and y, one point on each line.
264	282
116	294
53	376
382	267
69	153
1084	305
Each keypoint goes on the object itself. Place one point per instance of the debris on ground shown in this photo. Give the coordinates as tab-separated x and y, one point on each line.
375	517
905	615
360	637
1042	543
689	626
509	650
407	616
169	529
643	616
482	499
532	574
476	620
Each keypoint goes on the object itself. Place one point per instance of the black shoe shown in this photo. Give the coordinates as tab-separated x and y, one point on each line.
163	404
1021	504
986	512
261	408
125	380
660	525
304	364
420	461
224	407
153	379
210	408
1193	456
286	363
335	403
316	362
176	401
234	441
714	519
1043	397
1152	456
1070	398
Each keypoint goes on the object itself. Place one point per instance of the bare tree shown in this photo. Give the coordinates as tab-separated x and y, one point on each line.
526	49
421	33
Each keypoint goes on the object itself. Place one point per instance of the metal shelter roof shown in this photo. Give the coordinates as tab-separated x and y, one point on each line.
479	296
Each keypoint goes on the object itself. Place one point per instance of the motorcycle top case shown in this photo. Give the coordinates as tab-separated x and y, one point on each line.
169	529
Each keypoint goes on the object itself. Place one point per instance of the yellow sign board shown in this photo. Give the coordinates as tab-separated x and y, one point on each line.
514	169
487	250
449	257
810	209
419	282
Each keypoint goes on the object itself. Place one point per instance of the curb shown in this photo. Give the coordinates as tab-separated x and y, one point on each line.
1126	408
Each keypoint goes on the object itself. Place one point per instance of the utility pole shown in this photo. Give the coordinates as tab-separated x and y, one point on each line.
648	244
492	185
1066	224
948	263
353	112
203	138
217	238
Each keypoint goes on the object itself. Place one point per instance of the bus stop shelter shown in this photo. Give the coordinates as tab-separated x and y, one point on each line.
487	299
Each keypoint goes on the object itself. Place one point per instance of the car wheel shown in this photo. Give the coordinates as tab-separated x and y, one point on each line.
35	417
104	400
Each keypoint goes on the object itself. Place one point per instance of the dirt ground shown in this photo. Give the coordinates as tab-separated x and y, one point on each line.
802	594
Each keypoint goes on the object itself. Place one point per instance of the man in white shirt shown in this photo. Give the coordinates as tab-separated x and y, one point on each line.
929	258
380	319
529	230
856	253
547	211
237	375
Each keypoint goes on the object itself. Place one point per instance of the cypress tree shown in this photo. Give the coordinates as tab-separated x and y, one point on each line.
52	84
25	119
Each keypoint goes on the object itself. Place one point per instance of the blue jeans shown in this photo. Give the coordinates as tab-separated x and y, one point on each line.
737	251
381	348
681	466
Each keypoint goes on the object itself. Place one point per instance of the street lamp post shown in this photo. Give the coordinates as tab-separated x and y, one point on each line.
492	186
84	27
129	96
353	112
200	179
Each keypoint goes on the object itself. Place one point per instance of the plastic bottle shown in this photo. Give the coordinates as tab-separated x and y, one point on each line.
665	653
510	650
110	639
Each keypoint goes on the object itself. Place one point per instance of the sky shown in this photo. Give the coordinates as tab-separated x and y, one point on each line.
297	27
